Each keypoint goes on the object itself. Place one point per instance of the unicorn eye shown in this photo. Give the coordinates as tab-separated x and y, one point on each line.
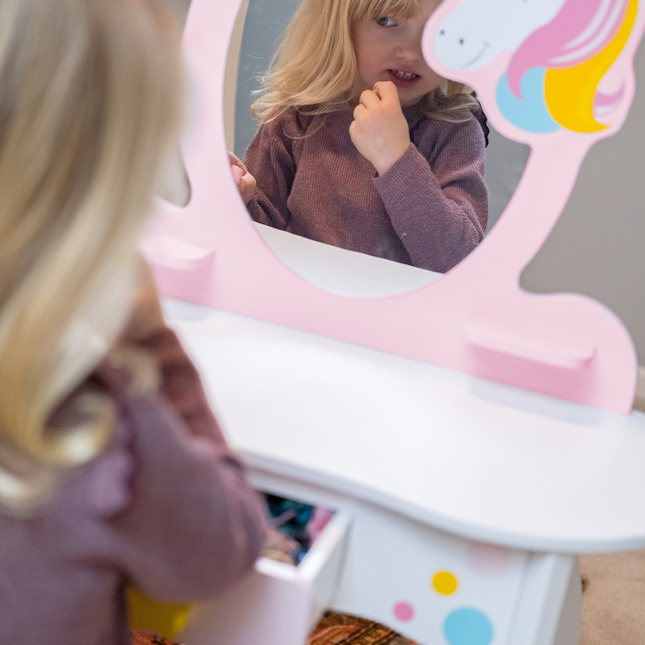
385	22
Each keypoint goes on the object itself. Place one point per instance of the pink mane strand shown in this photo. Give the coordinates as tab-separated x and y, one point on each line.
607	103
581	29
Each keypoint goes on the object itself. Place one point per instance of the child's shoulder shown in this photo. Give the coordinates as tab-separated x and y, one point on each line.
457	118
291	123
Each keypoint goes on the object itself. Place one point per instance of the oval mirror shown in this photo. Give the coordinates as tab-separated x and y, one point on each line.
258	31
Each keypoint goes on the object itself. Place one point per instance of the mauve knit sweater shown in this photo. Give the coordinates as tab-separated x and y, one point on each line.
429	209
166	507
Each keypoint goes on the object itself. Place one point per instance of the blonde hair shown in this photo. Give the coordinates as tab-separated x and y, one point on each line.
88	103
314	69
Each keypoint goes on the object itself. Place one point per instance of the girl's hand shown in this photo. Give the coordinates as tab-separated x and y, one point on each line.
380	131
243	178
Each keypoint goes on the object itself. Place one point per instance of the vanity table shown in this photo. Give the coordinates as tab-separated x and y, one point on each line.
423	464
471	438
431	471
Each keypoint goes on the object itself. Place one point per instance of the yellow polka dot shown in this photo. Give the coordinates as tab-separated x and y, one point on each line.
444	582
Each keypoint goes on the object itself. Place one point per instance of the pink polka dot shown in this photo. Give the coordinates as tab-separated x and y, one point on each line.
403	611
489	560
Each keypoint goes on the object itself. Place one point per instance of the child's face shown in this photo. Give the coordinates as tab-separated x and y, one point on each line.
388	48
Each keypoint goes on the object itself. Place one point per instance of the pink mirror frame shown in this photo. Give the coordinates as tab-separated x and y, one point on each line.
475	319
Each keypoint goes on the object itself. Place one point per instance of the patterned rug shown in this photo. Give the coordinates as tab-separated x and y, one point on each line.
339	629
333	629
143	638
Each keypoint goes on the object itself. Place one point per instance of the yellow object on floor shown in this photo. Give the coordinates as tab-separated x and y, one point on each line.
165	619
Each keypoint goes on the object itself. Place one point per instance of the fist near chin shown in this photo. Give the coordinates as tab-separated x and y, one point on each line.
379	130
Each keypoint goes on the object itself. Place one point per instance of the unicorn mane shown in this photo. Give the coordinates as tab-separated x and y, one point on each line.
580	30
576	49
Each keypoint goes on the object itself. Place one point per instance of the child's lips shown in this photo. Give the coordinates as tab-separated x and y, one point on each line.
402	78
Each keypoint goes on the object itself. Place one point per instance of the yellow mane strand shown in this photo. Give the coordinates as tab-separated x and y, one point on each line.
570	93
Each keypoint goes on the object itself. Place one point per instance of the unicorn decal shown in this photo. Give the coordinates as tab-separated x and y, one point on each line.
561	53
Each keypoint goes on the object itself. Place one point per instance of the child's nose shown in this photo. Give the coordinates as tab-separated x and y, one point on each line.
409	54
410	50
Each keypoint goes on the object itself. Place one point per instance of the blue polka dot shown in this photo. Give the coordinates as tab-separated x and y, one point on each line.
468	627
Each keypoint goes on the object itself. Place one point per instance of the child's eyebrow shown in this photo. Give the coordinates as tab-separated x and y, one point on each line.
387	14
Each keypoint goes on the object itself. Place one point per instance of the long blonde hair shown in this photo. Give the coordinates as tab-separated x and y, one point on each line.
89	99
314	69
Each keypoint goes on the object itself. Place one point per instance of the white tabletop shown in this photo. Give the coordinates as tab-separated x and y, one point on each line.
480	459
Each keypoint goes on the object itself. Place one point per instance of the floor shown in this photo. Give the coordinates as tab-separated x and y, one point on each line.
613	609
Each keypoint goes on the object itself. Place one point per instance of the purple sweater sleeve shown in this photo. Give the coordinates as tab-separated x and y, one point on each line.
193	525
270	160
436	196
165	507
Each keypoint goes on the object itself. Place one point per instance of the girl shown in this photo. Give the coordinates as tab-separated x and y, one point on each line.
362	145
112	467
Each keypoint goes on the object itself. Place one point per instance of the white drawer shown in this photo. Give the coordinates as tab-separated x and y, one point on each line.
277	603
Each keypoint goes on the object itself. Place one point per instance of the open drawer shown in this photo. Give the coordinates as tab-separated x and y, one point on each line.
277	603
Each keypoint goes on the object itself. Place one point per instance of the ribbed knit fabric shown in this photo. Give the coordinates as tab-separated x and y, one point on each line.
166	507
429	209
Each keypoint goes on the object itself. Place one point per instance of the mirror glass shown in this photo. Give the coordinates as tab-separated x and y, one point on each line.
259	30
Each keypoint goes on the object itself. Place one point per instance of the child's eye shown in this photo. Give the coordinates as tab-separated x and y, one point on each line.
385	22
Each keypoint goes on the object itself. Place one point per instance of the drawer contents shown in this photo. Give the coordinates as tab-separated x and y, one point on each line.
295	526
